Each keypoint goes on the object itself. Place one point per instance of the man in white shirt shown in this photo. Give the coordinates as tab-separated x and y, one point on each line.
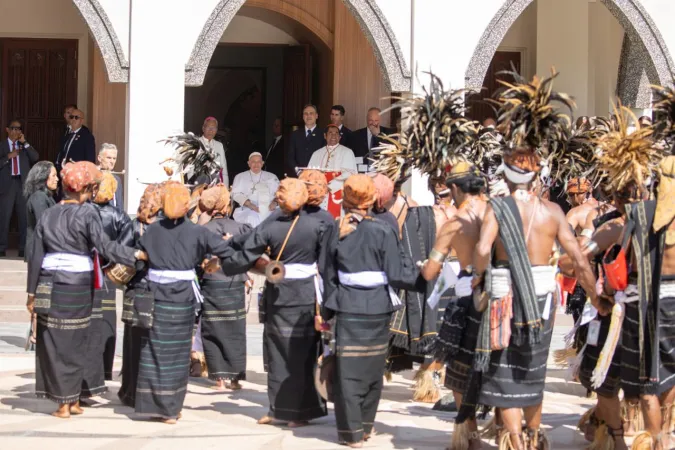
254	191
209	130
334	157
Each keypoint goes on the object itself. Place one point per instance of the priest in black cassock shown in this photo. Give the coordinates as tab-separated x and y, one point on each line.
304	141
289	305
363	261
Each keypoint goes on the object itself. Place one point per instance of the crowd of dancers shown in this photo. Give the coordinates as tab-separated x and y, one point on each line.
468	287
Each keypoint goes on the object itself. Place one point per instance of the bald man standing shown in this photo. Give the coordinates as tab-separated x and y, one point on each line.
78	144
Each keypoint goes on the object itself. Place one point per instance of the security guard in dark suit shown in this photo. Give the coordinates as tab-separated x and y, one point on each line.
304	141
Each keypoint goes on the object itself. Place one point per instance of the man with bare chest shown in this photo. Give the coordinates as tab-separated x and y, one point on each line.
582	202
460	235
521	231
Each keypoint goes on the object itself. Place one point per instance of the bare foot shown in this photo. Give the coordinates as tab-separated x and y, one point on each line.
220	385
76	410
354	444
367	436
265	420
298	424
180	416
63	412
234	385
168	421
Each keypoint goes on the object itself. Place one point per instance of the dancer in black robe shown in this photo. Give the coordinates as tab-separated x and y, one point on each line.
61	286
364	260
165	353
103	329
149	210
223	322
289	305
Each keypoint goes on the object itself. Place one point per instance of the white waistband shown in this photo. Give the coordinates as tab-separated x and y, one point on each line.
463	287
543	277
667	289
369	279
68	262
623	296
300	271
170	276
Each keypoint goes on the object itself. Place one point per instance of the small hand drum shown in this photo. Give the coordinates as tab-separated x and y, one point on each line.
275	272
120	274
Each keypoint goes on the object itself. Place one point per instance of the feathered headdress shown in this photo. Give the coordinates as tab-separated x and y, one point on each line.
579	161
664	106
192	156
627	157
394	159
528	118
487	151
437	130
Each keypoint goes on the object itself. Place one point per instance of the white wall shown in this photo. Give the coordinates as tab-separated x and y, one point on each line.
118	13
522	36
54	19
247	30
606	37
398	16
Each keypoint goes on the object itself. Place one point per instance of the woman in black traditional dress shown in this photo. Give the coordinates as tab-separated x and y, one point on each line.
39	191
175	246
223	322
364	260
103	329
149	210
289	305
61	283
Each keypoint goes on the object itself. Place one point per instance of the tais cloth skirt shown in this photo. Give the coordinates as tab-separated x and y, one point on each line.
62	340
165	360
458	366
108	296
612	383
517	375
362	342
292	351
93	383
224	329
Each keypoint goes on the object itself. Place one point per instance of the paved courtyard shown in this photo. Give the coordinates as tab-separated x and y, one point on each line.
226	420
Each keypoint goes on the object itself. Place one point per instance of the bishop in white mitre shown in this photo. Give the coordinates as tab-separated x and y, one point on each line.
334	158
254	191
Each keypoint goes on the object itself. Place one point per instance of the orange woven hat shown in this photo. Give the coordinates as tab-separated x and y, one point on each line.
215	200
151	203
316	184
291	195
384	188
79	175
106	189
358	192
176	201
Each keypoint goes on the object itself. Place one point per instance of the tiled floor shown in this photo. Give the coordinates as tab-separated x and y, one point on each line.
227	420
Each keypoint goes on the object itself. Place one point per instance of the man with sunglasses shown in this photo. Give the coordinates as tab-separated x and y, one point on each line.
16	158
78	144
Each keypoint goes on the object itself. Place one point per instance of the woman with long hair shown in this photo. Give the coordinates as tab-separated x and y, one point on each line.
38	190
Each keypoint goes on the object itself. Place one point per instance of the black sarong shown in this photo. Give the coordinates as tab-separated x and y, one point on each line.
165	360
107	295
62	337
612	383
292	350
93	381
362	342
516	375
459	359
631	381
131	357
413	328
224	329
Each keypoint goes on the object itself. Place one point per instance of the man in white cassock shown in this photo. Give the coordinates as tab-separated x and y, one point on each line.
254	191
334	157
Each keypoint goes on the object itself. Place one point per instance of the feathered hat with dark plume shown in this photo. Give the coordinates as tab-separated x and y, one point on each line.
626	157
191	156
579	161
530	121
664	107
437	132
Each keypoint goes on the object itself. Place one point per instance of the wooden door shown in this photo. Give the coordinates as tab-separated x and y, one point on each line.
297	83
39	77
479	108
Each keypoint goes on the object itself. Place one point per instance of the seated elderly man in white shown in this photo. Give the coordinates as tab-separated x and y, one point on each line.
254	191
